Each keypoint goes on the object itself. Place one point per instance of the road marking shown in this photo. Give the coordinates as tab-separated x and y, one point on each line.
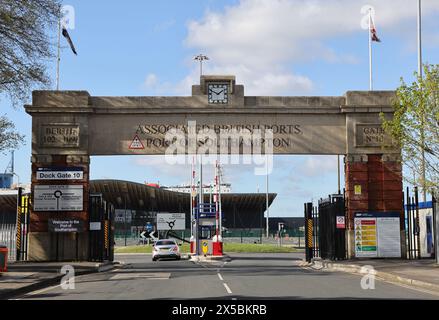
219	276
33	293
134	276
227	288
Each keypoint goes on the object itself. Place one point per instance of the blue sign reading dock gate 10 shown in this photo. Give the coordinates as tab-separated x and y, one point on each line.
56	173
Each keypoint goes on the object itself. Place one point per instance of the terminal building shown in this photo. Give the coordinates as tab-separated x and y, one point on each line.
136	204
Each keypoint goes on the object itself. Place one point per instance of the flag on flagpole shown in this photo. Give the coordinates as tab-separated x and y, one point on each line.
69	40
373	32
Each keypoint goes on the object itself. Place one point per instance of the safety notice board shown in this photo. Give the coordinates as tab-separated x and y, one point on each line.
377	234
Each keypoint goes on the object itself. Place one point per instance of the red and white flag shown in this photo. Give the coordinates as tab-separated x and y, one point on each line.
373	32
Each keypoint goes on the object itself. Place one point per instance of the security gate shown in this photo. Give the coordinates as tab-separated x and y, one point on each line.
14	227
332	227
101	229
325	228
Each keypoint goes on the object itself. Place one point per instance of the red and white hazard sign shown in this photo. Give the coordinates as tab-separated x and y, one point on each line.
341	223
136	144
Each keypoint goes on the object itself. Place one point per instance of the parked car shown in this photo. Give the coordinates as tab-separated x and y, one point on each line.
165	248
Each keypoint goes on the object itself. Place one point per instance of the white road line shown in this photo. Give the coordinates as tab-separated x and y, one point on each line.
227	288
220	276
33	293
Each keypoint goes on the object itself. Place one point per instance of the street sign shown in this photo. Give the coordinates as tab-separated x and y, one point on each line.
136	144
377	234
58	198
142	235
153	237
341	222
171	221
205	247
65	225
60	173
95	226
149	227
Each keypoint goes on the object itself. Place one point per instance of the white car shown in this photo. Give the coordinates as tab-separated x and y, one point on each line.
166	248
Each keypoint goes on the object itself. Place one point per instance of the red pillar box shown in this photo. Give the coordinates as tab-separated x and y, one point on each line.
217	246
3	259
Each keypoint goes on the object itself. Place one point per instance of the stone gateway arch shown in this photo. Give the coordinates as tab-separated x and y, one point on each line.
70	126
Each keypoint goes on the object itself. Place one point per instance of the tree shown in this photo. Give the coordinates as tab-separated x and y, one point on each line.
9	138
415	127
25	45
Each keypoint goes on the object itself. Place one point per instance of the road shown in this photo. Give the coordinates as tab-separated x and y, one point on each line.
246	276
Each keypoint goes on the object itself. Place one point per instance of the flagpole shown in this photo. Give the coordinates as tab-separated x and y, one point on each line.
424	188
59	53
370	50
419	40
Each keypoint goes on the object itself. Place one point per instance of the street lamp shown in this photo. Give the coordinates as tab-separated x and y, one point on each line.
201	58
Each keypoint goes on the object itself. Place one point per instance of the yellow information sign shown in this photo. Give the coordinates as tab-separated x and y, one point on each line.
205	247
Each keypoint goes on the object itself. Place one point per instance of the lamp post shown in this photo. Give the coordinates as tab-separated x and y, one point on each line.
201	58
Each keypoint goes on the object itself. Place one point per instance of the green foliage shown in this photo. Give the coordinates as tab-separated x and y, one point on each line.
9	138
25	46
415	126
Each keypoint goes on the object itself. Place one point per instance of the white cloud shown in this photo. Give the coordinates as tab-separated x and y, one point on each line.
153	86
262	41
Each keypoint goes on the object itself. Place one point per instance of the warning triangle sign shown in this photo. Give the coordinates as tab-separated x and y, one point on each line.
136	144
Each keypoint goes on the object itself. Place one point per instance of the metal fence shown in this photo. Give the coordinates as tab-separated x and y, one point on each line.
8	233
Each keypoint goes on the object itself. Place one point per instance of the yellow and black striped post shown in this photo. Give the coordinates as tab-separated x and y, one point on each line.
107	240
18	234
308	232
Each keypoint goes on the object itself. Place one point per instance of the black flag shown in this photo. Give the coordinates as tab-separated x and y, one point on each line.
67	36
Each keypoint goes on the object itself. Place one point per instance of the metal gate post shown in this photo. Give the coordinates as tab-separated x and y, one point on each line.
418	234
308	232
435	228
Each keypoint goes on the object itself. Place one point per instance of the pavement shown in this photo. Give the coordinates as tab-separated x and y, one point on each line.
24	277
241	276
422	273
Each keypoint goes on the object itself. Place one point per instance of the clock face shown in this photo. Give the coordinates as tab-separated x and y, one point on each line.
218	93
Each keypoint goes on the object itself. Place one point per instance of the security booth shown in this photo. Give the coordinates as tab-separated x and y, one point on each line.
207	231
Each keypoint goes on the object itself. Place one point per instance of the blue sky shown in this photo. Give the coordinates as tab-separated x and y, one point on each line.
284	47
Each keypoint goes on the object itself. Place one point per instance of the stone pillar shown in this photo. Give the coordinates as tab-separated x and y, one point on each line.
373	183
47	246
